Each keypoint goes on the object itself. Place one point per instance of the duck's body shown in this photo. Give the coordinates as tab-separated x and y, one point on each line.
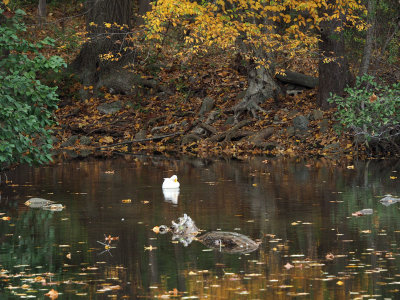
171	183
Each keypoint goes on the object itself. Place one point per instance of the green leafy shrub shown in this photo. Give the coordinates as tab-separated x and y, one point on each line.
371	112
26	104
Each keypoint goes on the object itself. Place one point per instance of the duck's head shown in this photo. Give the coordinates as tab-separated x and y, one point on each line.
174	178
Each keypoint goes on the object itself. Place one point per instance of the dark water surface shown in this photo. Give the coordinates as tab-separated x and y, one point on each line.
312	246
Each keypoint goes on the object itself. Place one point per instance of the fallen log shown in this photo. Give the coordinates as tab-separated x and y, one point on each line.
298	79
155	138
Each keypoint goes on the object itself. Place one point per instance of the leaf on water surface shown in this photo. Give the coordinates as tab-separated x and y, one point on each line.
52	294
330	256
109	172
288	266
126	200
350	167
39	279
110	238
149	248
253	275
291	294
6	218
393	177
363	212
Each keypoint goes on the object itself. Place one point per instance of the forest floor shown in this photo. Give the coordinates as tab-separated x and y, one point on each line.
153	122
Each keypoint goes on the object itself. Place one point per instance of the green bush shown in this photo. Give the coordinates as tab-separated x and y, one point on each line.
26	104
370	111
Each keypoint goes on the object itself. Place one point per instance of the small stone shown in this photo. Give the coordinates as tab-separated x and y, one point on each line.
317	114
206	106
85	140
85	152
140	135
70	141
323	125
292	113
110	108
230	120
300	123
290	131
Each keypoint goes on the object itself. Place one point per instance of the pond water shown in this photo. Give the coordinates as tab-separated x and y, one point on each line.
101	244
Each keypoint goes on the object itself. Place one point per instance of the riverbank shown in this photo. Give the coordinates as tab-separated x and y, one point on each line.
196	119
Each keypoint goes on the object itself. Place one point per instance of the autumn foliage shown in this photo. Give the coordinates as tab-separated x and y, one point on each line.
250	27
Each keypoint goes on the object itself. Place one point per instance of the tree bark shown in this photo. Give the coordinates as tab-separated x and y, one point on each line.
42	11
262	86
103	39
143	6
367	53
334	73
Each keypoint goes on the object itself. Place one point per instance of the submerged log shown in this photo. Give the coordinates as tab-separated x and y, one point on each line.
230	242
298	79
185	231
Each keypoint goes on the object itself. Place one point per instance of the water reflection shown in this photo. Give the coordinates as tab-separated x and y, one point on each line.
300	210
171	195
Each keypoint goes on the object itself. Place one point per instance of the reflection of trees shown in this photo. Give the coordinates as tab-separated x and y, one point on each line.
259	198
34	242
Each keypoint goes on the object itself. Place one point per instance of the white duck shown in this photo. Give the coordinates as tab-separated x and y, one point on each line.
171	183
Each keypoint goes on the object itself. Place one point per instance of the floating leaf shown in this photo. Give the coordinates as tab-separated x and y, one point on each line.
52	294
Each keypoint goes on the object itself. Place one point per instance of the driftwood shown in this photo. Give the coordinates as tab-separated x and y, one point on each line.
298	79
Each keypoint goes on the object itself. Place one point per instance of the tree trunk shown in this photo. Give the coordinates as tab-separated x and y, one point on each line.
334	73
103	38
42	11
366	58
262	86
143	6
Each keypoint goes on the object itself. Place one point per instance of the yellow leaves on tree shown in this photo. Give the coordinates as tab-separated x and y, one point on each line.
288	26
